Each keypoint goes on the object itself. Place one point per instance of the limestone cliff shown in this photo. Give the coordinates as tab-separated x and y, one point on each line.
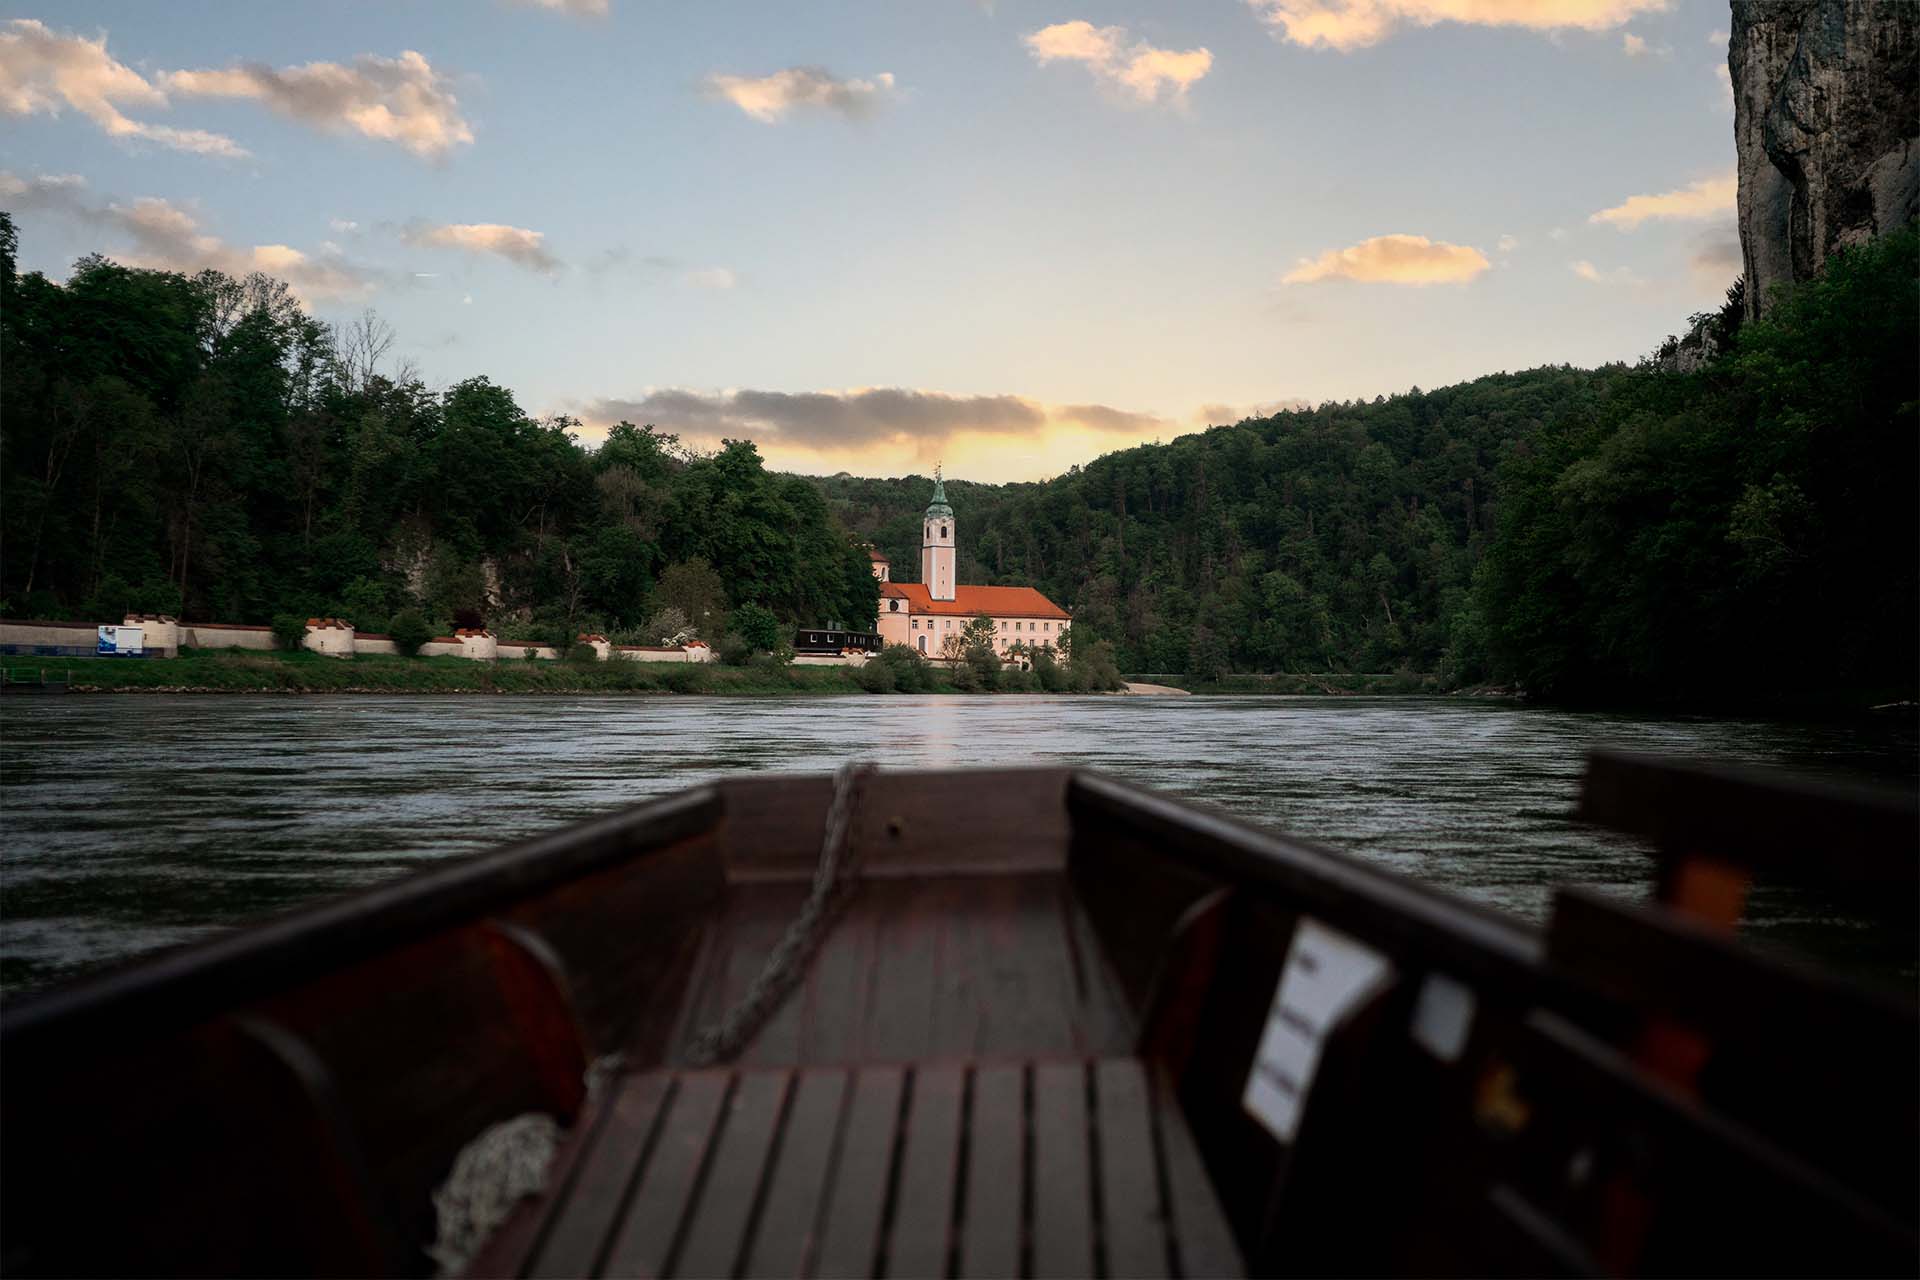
1826	112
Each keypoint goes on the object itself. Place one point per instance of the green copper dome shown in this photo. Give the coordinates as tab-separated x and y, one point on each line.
938	508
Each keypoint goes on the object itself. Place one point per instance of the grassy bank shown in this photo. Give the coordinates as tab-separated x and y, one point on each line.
236	671
1336	684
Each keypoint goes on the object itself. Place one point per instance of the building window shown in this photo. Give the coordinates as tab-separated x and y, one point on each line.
923	644
893	606
943	531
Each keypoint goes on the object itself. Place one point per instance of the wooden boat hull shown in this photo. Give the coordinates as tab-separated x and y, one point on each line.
1028	953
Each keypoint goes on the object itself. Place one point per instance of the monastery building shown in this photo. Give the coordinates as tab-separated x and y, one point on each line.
924	613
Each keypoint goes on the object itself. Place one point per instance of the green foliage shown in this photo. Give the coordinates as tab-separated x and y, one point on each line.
1741	534
911	672
409	630
580	654
758	627
289	630
367	604
1048	674
733	650
207	441
1092	669
1341	537
876	677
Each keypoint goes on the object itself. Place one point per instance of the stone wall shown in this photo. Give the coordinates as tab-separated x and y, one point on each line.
66	634
334	637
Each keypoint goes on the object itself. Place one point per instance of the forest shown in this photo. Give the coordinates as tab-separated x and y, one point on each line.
1744	533
202	446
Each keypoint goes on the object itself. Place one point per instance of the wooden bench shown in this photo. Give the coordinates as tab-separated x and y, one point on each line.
1051	1167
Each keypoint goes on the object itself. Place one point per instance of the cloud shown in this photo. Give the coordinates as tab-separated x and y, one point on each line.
1227	414
1140	70
1558	233
1706	198
166	237
1724	79
42	71
345	226
1717	38
1635	47
400	100
1506	244
1347	25
1413	260
838	420
577	8
712	278
768	99
1594	275
517	245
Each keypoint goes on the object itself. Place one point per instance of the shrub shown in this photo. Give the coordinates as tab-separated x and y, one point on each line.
911	672
289	629
689	678
1093	668
966	679
876	677
581	654
733	650
409	630
758	627
985	665
1048	673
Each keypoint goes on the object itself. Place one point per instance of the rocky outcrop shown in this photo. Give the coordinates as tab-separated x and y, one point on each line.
1826	112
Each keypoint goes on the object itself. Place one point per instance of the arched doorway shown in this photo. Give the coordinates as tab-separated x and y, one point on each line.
923	644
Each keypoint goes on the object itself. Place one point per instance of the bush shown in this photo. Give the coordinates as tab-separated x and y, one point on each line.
1048	673
1093	669
911	672
758	627
1014	680
581	654
409	630
733	650
875	677
985	665
289	629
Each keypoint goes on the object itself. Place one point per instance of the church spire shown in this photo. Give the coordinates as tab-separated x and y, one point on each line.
939	506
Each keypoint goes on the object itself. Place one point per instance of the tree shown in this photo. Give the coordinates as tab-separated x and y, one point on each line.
758	627
409	630
692	587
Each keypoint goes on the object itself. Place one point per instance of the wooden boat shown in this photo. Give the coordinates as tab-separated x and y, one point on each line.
1052	1024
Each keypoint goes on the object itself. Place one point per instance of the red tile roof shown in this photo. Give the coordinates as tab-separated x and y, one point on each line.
873	553
995	602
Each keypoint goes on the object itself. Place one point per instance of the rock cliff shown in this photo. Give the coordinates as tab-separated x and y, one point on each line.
1826	112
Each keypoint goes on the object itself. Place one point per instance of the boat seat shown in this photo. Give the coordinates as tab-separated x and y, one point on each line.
1050	1167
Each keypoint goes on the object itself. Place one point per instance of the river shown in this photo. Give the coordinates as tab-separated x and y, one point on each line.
132	822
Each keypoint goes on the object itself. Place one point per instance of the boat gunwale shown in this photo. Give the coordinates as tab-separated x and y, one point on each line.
176	986
1381	907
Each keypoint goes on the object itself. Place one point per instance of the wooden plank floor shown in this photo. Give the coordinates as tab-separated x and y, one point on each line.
1025	1168
921	969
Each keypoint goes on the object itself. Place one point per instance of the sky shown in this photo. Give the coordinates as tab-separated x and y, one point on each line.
1009	235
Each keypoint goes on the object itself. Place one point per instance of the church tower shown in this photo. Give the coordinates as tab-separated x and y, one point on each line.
936	543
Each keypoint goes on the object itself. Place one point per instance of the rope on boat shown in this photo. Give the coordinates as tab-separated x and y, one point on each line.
833	877
509	1160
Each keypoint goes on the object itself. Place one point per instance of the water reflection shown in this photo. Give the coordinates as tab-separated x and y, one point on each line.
137	821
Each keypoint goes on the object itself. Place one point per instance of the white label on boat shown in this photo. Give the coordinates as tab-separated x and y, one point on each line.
1326	974
1443	1016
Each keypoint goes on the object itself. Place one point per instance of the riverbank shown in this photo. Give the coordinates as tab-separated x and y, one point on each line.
1373	684
235	671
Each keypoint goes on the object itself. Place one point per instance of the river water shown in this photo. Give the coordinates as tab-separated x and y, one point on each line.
135	821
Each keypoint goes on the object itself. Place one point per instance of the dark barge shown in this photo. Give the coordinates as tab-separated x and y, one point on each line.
1047	1024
